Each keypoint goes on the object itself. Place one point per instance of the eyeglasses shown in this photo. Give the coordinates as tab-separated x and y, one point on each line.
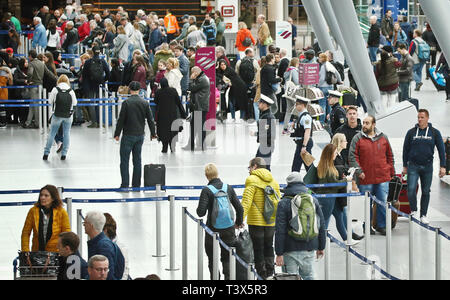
101	269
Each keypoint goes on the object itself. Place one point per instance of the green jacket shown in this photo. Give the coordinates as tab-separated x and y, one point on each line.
161	54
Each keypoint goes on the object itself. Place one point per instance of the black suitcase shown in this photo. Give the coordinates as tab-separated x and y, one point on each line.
154	174
395	187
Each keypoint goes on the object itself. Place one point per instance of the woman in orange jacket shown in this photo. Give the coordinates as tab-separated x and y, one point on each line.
47	219
242	34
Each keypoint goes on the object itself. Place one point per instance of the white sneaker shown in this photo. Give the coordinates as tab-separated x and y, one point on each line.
424	220
413	214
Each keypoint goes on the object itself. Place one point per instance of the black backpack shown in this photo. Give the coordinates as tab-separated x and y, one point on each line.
96	71
63	104
247	70
340	68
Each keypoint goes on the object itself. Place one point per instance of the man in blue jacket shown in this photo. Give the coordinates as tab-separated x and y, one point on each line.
99	243
184	69
418	152
39	34
294	255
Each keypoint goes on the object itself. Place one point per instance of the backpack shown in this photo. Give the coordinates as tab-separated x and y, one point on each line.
247	70
340	68
222	215
247	42
304	223
96	71
210	33
271	200
63	104
423	50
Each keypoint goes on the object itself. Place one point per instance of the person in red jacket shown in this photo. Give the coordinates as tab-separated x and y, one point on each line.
372	154
84	30
241	43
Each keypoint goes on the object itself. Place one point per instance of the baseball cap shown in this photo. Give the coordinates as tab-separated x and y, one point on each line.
134	86
9	50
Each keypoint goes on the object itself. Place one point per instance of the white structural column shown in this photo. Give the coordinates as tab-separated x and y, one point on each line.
319	24
438	14
348	24
276	10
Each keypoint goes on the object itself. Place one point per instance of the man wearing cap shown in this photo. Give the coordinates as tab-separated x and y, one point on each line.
293	255
337	115
135	111
302	134
266	130
184	30
310	57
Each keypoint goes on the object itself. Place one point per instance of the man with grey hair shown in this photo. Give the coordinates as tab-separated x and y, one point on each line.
194	35
39	34
70	44
373	41
99	243
98	267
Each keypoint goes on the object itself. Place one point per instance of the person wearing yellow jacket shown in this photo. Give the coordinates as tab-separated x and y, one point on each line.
46	219
261	233
171	24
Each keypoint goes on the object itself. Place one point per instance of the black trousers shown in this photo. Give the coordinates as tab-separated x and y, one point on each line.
228	237
262	239
198	129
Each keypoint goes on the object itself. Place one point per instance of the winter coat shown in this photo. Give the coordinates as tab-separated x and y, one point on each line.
374	36
200	92
174	77
387	78
83	31
254	196
268	78
185	71
136	39
155	39
240	38
373	157
36	72
207	199
19	78
168	109
263	33
284	243
102	245
121	47
39	37
161	54
405	72
238	89
194	37
71	39
324	68
60	224
140	75
349	135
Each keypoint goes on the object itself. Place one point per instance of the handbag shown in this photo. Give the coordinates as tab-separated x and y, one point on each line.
290	89
311	176
268	41
38	264
244	249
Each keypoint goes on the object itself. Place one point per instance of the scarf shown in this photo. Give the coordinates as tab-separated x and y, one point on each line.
43	240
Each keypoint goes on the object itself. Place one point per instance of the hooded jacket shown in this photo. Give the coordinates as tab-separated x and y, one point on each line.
174	78
283	241
373	157
102	245
253	197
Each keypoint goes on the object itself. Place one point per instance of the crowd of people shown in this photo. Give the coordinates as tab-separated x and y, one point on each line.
148	54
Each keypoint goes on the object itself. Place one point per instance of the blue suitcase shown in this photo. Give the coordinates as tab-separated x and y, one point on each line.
437	79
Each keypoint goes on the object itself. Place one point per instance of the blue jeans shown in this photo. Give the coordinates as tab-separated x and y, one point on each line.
72	49
300	262
341	221
54	127
417	72
59	138
131	144
373	53
404	91
324	103
262	50
380	191
327	206
256	108
425	173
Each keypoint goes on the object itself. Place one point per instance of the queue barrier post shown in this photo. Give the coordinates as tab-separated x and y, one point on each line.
349	215
184	245
327	256
45	110
80	230
100	110
172	234
200	250
69	209
158	223
232	263
40	110
368	224
388	236
348	273
438	254
216	247
411	248
372	270
114	111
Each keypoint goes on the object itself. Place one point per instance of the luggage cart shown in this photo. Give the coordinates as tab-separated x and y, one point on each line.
34	272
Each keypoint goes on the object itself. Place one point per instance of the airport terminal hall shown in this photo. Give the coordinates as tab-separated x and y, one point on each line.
247	140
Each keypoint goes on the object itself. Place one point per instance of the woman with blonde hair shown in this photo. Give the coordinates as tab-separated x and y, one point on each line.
121	45
62	100
327	173
174	75
244	39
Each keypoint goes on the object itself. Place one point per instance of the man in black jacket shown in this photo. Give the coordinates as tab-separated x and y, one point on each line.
373	41
269	80
350	129
337	115
207	204
71	265
135	111
71	41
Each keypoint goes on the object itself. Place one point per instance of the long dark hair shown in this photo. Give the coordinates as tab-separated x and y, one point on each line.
51	62
15	36
21	64
57	202
52	26
383	61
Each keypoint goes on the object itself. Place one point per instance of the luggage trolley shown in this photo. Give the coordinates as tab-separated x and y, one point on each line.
44	267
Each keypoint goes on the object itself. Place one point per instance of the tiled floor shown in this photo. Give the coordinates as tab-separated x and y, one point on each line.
93	161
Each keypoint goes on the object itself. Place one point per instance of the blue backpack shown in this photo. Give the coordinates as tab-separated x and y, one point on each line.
210	33
222	215
423	50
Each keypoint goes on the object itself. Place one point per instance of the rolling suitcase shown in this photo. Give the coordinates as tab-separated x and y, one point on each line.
437	79
154	174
